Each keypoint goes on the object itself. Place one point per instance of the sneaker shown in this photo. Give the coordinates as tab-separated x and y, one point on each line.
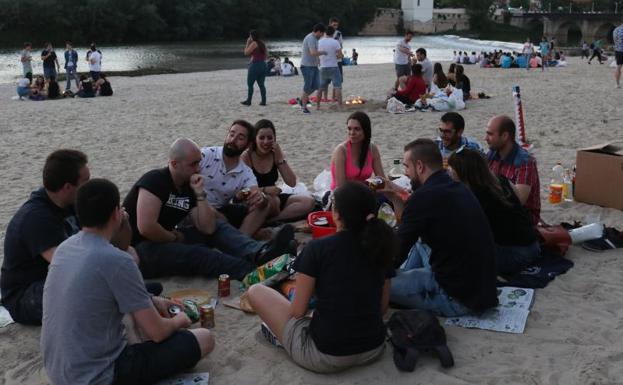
279	245
262	103
306	111
246	103
269	335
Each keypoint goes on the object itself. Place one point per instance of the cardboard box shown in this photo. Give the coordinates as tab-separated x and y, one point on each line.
599	175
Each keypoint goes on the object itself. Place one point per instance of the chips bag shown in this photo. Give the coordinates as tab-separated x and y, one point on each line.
267	270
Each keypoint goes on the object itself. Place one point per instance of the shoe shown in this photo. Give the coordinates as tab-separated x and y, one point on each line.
306	111
279	245
154	288
269	335
262	103
246	103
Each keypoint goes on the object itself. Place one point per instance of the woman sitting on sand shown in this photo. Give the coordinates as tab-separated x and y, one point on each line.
54	91
451	75
349	273
257	68
515	238
439	78
415	87
462	82
37	90
85	88
102	86
268	163
356	159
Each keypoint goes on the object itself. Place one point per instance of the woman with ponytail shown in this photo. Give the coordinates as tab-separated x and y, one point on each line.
256	48
349	273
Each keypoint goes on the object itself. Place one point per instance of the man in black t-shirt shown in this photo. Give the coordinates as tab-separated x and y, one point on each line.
176	231
34	232
50	62
445	239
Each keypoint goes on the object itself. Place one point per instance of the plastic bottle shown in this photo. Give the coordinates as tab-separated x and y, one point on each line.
559	172
396	171
567	189
556	187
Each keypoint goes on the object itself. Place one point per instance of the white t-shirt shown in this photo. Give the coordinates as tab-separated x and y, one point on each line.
95	62
286	69
528	48
23	82
400	57
331	47
222	185
473	59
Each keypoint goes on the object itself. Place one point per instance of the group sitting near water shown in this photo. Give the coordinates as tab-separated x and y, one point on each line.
76	255
46	86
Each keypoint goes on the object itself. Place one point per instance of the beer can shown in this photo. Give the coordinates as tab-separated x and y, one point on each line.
223	285
207	316
174	310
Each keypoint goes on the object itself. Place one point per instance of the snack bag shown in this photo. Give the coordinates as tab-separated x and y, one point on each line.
386	213
267	270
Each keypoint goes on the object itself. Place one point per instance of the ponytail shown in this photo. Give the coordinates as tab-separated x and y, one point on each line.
379	243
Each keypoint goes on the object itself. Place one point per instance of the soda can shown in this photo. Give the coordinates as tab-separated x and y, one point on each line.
191	310
174	310
207	316
223	285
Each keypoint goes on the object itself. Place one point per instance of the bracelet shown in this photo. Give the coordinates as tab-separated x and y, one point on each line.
283	161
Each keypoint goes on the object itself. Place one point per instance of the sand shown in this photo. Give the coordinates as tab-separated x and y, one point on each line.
574	332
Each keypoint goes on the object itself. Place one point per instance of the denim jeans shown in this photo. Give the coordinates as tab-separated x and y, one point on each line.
256	73
71	74
27	307
513	259
415	286
311	79
198	254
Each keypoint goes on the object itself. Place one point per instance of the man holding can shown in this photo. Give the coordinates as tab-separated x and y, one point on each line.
88	264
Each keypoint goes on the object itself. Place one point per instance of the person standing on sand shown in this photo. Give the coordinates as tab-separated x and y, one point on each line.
309	64
95	63
528	49
337	35
402	58
71	65
255	48
329	67
50	62
617	36
26	60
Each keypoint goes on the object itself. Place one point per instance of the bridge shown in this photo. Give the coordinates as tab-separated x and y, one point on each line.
568	28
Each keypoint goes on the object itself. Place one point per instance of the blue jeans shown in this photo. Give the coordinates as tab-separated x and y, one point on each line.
415	286
311	79
48	72
72	74
198	254
513	259
256	73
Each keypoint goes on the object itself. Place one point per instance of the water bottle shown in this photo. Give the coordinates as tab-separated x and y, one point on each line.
396	171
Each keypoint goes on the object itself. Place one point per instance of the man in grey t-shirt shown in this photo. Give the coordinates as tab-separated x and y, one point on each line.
427	66
90	286
309	64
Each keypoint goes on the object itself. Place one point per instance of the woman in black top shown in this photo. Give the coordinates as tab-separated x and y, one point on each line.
516	242
349	273
268	162
462	82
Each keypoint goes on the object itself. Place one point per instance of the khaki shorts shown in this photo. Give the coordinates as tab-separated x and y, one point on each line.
301	347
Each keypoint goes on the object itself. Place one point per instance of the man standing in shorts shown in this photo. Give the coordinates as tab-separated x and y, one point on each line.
402	57
617	36
309	64
337	35
329	70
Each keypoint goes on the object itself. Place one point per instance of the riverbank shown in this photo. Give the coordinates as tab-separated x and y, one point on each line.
573	334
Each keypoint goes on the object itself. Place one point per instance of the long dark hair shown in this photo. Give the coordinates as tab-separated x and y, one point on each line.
366	126
458	73
262	123
452	68
255	36
472	169
442	80
356	205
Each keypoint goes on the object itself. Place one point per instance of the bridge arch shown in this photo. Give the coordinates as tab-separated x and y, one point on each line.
536	29
604	32
569	33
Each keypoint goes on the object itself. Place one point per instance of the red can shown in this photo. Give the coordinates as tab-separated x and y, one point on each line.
223	285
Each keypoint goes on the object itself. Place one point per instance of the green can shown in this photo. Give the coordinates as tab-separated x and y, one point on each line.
191	309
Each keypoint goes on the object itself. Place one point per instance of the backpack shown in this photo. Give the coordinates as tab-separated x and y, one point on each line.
412	332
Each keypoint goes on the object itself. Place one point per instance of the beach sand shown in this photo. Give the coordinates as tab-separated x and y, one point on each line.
574	334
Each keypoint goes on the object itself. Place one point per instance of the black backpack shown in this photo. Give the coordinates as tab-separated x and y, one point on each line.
415	331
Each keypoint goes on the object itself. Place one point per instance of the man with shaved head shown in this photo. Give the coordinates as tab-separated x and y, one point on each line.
177	232
509	159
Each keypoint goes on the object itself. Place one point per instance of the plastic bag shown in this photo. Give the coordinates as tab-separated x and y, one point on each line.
267	270
299	189
395	106
386	214
322	182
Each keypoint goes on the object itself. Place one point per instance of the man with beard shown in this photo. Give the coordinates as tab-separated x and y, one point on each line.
230	184
451	137
446	247
177	232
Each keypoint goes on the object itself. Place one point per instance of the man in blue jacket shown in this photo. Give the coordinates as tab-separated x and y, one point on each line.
71	65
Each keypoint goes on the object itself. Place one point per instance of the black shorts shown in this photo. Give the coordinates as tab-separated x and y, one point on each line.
235	213
283	199
618	55
149	362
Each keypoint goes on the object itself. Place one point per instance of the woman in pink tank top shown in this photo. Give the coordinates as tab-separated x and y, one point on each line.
356	159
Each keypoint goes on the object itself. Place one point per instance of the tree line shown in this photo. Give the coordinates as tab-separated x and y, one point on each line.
142	21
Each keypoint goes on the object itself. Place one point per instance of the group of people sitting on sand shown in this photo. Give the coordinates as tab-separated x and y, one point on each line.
46	86
76	255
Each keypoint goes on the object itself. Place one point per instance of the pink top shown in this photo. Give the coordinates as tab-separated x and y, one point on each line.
258	55
353	173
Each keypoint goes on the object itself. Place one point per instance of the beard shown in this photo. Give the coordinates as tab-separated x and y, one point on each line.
232	151
415	184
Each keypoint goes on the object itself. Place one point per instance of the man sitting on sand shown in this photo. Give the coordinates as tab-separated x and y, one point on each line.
227	177
451	137
445	239
506	158
90	286
177	232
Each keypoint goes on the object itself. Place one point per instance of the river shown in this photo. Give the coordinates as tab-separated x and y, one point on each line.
192	57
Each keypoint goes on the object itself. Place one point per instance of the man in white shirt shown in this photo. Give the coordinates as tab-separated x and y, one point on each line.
227	177
427	66
95	63
402	57
337	35
329	71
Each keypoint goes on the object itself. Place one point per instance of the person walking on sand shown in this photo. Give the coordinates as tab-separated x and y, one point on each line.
255	48
309	64
617	36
